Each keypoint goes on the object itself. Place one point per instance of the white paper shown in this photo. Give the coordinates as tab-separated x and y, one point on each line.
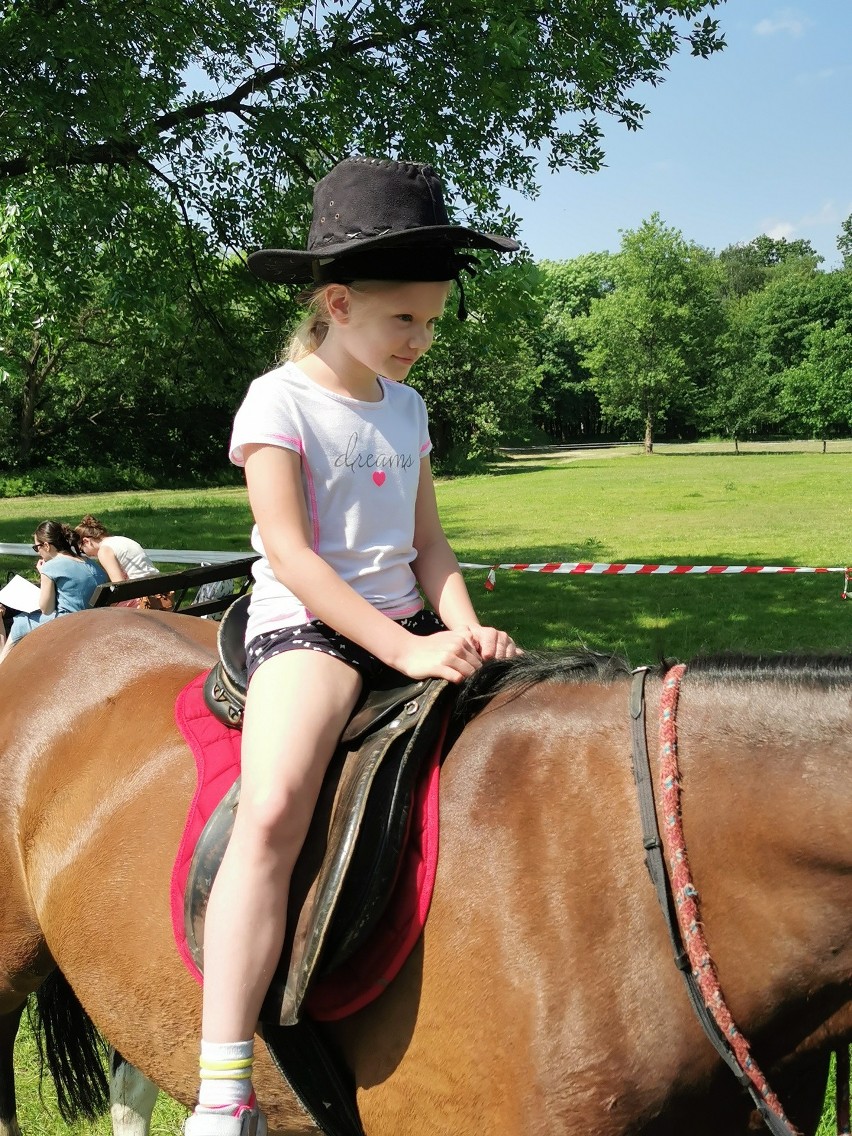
20	594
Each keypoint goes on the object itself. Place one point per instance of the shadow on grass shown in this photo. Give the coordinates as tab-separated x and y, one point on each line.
509	470
747	453
647	618
589	550
219	524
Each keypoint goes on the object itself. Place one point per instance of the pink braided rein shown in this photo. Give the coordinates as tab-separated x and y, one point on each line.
686	895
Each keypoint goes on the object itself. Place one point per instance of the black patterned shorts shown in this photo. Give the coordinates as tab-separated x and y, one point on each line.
318	636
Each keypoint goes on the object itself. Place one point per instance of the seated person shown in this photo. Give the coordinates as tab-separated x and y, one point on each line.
68	579
121	558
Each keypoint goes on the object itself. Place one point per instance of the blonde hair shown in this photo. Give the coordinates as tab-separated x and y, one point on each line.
313	329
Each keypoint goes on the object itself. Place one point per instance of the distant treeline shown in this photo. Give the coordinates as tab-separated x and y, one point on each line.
662	337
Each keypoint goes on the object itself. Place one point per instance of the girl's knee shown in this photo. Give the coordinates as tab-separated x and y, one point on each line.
273	821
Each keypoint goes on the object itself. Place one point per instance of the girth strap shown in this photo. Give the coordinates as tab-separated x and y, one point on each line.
314	1069
655	863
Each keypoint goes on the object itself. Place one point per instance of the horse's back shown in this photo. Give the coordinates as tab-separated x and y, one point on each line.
85	658
96	784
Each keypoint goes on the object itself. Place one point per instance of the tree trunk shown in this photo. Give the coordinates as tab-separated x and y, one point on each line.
27	418
441	432
736	446
823	445
649	435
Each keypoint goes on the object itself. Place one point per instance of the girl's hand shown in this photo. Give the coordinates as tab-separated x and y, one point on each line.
446	654
491	643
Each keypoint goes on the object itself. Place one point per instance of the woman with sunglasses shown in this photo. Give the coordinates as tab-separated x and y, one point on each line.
68	579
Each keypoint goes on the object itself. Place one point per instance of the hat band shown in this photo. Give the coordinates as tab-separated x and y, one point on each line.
412	263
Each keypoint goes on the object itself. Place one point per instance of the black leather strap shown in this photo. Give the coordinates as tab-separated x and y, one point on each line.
315	1071
654	861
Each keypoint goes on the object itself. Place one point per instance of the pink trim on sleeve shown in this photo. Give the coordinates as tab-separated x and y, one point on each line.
312	503
426	447
284	440
295	443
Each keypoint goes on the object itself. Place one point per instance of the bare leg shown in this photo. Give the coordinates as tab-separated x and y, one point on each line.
297	706
132	1098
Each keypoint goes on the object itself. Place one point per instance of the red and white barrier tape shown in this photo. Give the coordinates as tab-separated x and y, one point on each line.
581	568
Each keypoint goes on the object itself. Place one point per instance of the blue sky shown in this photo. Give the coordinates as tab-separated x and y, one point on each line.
756	139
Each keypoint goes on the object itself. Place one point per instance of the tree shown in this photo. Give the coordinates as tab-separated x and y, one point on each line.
742	397
231	104
101	340
796	296
479	377
564	404
844	242
648	341
746	266
120	120
819	390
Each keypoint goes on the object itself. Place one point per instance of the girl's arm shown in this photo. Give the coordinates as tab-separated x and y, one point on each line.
439	575
111	565
436	567
273	476
47	594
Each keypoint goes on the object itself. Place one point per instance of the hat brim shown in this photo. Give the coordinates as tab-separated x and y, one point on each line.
295	266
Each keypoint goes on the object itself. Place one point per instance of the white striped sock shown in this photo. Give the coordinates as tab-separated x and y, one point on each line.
225	1069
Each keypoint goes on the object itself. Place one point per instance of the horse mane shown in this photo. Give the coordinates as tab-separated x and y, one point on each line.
824	671
515	676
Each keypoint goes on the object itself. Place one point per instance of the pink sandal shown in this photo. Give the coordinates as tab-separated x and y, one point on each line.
246	1120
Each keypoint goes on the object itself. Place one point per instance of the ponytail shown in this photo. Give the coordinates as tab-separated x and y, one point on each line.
72	540
313	329
61	536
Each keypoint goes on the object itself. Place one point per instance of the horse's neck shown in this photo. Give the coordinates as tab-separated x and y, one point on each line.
767	806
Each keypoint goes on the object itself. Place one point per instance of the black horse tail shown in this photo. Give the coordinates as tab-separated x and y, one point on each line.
71	1048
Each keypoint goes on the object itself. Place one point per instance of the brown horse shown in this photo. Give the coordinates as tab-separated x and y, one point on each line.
542	999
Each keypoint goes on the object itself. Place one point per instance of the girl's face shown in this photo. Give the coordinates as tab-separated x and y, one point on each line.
386	327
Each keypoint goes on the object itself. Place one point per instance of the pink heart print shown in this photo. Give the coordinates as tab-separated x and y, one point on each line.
379	477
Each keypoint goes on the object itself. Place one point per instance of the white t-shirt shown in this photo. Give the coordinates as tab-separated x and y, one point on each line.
360	472
131	556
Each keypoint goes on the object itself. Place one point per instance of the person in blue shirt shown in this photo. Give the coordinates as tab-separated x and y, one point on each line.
68	579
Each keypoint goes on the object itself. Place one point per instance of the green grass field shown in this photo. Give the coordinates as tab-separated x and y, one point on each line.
787	508
696	505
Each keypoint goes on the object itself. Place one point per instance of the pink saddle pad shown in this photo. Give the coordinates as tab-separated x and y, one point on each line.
216	749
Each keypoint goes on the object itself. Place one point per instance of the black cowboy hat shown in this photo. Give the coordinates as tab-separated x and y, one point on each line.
377	218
